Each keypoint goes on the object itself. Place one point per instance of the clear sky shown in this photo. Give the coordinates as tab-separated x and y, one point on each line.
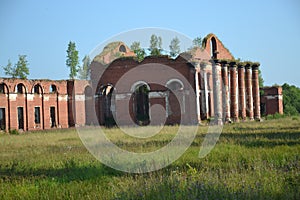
263	31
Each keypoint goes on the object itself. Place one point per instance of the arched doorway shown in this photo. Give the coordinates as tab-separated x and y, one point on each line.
106	105
176	104
22	114
38	106
4	108
141	103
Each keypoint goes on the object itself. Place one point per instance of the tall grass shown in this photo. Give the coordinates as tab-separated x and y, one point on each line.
250	161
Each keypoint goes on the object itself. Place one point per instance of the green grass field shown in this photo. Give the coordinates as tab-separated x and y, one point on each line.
252	160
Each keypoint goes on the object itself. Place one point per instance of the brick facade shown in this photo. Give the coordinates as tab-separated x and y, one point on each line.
197	85
271	100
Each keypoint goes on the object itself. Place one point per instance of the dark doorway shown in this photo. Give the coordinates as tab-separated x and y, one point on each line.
141	101
52	117
20	118
2	119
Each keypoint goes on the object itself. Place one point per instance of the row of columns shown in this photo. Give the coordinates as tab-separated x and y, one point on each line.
235	90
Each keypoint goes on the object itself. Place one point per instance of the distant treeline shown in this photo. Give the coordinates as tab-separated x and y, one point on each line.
291	99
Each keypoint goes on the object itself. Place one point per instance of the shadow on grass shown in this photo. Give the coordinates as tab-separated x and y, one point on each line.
70	172
271	139
198	190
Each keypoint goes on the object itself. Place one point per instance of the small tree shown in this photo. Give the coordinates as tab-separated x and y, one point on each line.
155	45
174	47
20	69
84	71
139	52
197	42
72	59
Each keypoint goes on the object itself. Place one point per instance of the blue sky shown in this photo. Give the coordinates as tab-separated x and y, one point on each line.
263	31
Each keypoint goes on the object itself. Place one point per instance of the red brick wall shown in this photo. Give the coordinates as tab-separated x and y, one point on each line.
222	51
114	72
272	100
29	100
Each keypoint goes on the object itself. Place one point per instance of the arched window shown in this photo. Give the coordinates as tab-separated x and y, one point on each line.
37	89
3	88
175	104
213	47
122	49
141	103
52	88
20	88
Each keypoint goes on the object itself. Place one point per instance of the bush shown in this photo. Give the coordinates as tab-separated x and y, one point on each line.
14	132
275	116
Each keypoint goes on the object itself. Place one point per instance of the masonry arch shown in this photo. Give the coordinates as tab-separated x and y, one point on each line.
37	89
141	102
122	48
106	105
52	88
213	47
38	108
175	101
20	89
22	107
4	107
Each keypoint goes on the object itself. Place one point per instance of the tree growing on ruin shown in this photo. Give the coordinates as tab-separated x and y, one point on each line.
139	52
85	70
174	47
72	59
197	42
19	70
155	45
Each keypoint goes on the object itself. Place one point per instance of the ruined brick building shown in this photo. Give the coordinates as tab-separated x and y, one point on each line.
224	89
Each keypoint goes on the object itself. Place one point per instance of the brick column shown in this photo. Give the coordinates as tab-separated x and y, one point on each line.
249	97
204	99
216	69
225	91
233	94
256	97
241	81
197	70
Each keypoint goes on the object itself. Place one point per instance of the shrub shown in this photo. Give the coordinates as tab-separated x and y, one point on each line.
14	132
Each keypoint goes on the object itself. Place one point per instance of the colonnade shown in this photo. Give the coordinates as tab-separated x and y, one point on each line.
227	90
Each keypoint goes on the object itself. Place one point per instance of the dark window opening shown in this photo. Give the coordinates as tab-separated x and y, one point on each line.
2	88
53	89
20	88
20	118
263	108
36	89
213	48
37	115
122	49
52	117
141	100
2	119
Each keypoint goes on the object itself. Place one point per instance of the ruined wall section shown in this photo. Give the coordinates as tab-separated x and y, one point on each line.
221	51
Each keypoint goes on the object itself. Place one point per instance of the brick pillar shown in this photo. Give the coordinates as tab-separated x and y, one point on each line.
225	92
216	69
256	97
241	80
249	97
233	92
197	70
204	101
